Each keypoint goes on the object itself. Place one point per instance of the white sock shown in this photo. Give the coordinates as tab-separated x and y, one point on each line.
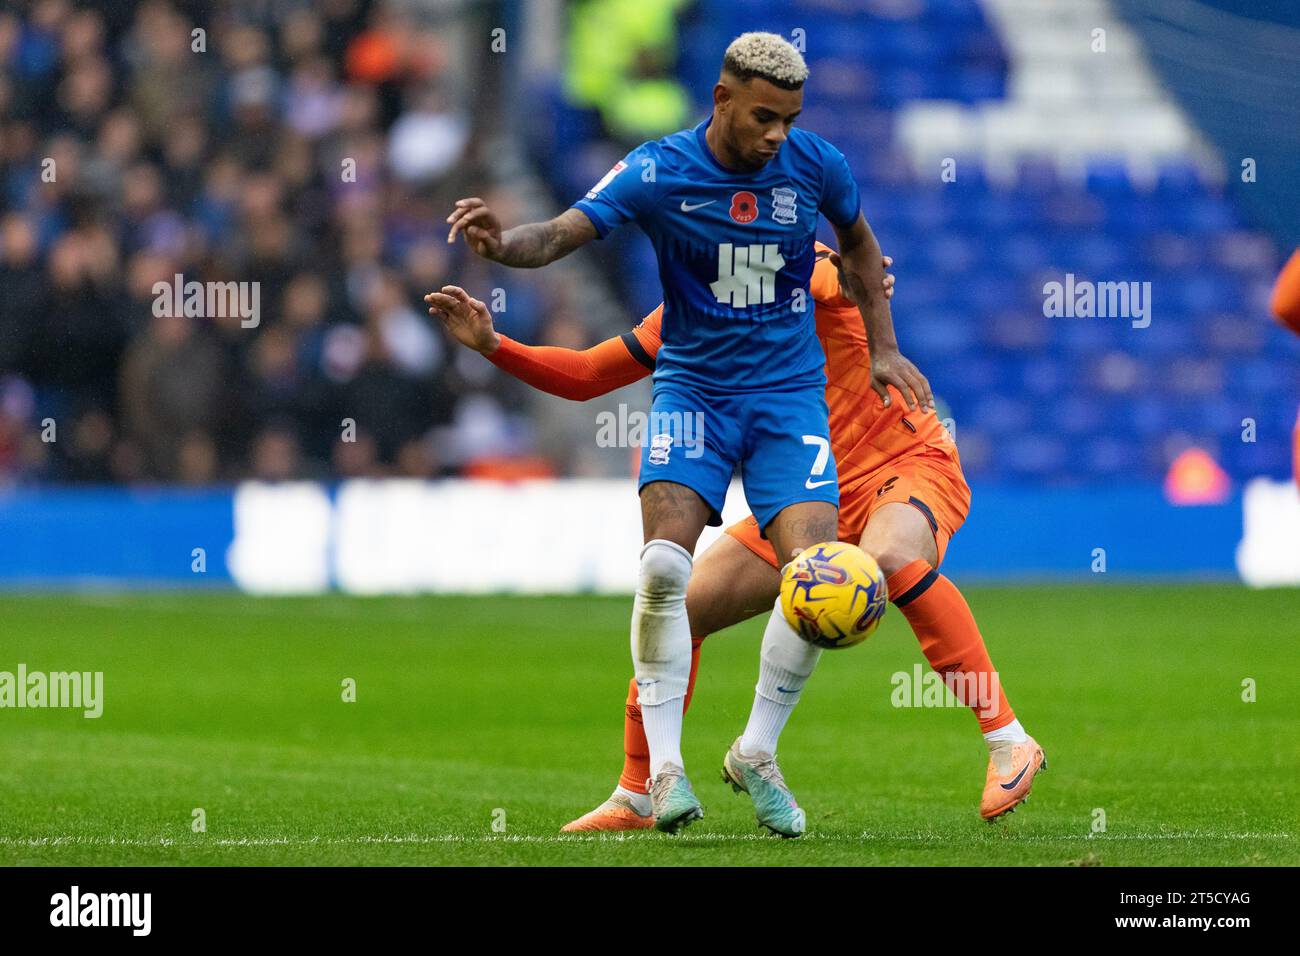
640	801
661	648
785	664
1012	732
663	734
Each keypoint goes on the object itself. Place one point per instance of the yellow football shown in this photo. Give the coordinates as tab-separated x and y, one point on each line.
834	594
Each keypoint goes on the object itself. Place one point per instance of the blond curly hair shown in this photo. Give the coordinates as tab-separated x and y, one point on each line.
766	55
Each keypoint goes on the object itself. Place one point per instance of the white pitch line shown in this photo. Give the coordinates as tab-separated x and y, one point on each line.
200	842
416	840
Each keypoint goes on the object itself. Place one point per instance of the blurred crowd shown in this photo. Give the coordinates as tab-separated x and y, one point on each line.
311	148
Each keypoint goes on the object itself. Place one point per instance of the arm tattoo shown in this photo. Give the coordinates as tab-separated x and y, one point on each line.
539	243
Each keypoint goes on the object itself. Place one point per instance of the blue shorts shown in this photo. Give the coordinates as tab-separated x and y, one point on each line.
779	440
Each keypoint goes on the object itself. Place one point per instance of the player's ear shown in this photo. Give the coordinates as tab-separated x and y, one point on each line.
721	95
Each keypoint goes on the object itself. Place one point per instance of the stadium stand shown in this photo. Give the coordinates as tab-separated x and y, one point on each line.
1069	158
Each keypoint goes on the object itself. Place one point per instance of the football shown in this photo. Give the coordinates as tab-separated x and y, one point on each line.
833	594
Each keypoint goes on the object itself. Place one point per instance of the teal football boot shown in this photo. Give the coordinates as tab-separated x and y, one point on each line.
674	803
760	777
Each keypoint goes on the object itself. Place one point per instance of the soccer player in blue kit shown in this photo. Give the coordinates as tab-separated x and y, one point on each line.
731	208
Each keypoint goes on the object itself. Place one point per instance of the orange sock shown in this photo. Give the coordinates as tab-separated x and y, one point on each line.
950	639
636	752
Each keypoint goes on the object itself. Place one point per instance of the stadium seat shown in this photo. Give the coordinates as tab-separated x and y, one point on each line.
1066	163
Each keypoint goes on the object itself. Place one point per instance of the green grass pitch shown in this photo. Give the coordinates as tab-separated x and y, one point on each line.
472	712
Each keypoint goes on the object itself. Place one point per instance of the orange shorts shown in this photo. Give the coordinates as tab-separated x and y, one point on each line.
929	480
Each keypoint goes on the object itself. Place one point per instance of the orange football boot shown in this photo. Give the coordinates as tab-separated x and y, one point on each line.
614	814
1012	768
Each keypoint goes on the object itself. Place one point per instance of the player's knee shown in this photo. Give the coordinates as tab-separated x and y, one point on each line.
665	572
894	557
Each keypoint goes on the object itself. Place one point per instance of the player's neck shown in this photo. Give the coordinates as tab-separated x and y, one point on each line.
725	157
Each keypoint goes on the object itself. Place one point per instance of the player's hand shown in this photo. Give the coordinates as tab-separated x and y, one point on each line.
480	225
466	320
892	368
886	261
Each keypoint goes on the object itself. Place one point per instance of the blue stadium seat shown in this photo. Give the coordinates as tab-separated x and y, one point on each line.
1052	399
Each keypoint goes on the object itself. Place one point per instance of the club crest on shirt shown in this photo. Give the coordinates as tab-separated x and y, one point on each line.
660	447
784	208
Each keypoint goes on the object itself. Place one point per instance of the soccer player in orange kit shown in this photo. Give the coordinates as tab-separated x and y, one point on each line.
1286	306
902	496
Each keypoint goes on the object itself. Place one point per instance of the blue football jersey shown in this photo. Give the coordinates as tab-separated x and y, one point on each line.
735	253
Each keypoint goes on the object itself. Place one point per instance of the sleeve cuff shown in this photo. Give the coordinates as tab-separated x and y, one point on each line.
507	349
851	220
602	229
